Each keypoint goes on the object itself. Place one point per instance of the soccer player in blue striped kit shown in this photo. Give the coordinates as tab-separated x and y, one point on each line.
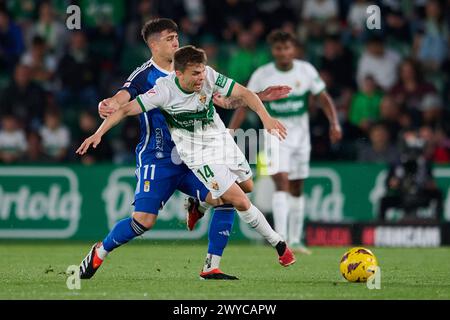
158	176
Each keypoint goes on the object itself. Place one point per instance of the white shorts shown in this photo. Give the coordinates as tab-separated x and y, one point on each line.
218	178
287	156
218	164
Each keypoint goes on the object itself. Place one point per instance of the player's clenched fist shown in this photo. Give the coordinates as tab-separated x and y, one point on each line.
335	133
93	140
106	107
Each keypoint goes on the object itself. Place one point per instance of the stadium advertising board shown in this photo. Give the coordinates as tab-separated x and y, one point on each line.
84	202
379	235
39	202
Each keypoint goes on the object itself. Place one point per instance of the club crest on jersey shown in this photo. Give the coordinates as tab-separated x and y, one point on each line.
297	84
215	185
146	186
202	98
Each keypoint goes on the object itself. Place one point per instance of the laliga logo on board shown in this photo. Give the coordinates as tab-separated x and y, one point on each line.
30	208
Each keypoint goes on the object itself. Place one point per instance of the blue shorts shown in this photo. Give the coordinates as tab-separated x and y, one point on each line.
157	182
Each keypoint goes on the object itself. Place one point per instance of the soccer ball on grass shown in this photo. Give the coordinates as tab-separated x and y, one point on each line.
358	264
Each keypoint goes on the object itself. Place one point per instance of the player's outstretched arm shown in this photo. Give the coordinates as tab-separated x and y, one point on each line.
269	94
130	109
107	106
250	98
273	93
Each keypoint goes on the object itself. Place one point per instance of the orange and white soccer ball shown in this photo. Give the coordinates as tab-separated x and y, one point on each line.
358	264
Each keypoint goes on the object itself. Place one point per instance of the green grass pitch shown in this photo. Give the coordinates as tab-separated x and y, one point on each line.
169	270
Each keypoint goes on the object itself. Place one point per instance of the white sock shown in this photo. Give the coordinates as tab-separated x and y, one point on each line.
280	210
101	252
212	262
296	217
257	221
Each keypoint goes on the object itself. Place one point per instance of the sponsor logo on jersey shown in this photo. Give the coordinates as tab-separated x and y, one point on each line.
286	106
221	81
126	84
159	140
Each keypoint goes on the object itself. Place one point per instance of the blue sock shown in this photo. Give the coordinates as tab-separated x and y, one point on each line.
220	229
123	231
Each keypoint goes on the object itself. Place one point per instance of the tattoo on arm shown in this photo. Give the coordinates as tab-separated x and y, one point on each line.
234	103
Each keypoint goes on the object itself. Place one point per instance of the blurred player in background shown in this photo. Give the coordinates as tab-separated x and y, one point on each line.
288	160
157	175
203	143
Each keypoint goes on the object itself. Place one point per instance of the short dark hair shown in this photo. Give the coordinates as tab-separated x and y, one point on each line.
279	35
156	26
188	55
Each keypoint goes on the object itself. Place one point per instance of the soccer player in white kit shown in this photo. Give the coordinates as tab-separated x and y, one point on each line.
288	160
202	141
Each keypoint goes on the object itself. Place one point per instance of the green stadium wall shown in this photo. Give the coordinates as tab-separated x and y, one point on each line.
84	202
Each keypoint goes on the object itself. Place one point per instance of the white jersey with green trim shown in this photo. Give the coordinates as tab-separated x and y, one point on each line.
193	121
304	80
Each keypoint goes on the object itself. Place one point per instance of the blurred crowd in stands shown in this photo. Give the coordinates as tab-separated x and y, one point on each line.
383	81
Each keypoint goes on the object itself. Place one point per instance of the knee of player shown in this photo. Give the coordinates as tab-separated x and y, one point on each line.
296	192
248	187
281	182
149	224
242	204
296	188
147	220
